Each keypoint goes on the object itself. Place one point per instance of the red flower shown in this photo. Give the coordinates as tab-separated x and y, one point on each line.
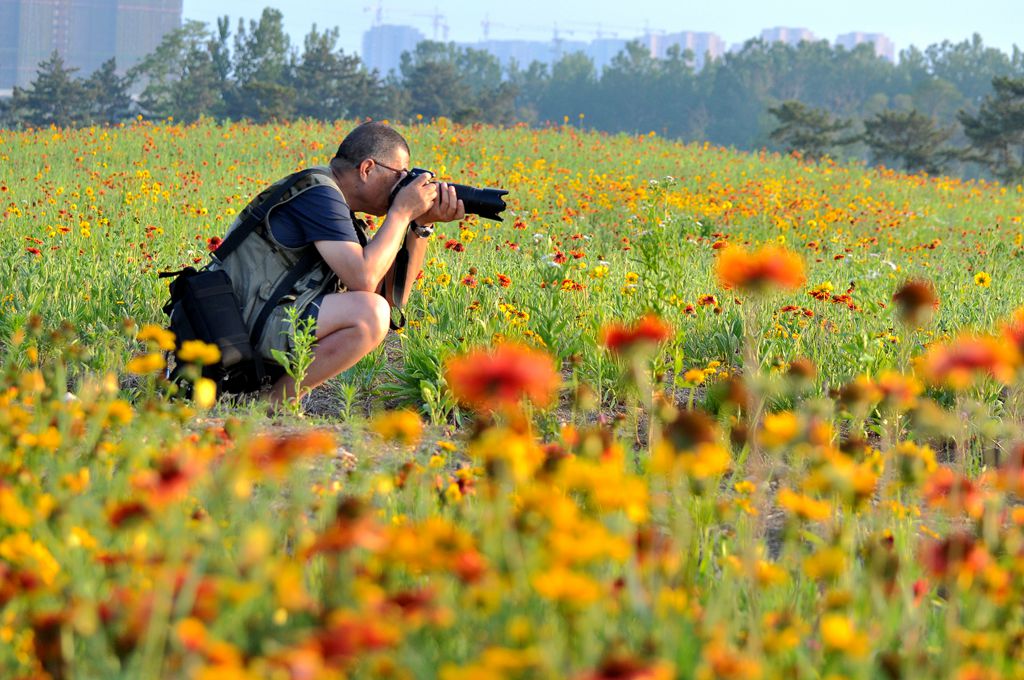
647	332
498	378
169	480
959	553
34	251
213	243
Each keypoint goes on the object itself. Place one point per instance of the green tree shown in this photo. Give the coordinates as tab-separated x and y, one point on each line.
261	69
330	84
996	132
465	84
809	131
108	94
970	67
181	76
570	90
737	87
55	97
908	140
628	99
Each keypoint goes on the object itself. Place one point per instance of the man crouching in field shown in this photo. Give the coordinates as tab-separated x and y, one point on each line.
343	280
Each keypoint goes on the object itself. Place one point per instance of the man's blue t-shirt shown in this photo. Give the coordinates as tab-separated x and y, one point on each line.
317	214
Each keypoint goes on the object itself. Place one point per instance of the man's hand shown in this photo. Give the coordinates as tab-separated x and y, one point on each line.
415	199
446	207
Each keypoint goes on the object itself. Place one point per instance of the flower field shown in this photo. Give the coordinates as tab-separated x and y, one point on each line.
684	413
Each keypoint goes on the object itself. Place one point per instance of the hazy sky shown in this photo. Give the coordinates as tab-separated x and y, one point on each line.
906	22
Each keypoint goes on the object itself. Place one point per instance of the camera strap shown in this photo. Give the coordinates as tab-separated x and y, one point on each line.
398	285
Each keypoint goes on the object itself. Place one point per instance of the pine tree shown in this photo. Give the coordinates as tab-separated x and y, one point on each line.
330	84
996	132
55	97
108	94
182	77
909	140
811	132
262	70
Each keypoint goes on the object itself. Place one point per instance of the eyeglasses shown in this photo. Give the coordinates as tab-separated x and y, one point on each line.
388	167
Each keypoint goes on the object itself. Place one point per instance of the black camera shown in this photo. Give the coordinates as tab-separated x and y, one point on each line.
483	202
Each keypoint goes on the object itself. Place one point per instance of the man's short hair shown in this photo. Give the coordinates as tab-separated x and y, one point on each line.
372	139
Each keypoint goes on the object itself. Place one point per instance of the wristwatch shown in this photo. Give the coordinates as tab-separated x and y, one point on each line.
423	231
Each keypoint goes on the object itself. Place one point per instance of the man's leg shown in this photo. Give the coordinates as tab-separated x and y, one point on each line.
348	327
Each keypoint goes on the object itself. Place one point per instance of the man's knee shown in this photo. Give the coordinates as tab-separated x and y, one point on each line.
375	317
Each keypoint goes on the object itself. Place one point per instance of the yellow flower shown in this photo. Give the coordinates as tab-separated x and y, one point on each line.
12	512
839	634
564	585
403	426
205	393
146	363
982	279
804	507
161	337
31	556
827	563
504	449
119	411
199	352
694	376
779	429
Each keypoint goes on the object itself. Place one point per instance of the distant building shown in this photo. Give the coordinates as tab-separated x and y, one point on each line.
883	46
383	46
85	33
790	36
603	50
703	45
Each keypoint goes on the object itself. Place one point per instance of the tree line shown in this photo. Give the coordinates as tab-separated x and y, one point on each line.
952	107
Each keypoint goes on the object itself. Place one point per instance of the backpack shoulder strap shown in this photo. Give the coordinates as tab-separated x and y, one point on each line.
259	212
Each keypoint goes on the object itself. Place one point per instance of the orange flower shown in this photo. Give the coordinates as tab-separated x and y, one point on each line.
275	453
649	331
1013	330
500	377
770	266
353	527
954	493
959	363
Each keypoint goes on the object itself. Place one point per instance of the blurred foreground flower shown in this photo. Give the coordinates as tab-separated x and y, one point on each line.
499	378
161	338
646	333
916	300
960	363
769	267
403	426
205	392
275	453
146	363
839	635
199	352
